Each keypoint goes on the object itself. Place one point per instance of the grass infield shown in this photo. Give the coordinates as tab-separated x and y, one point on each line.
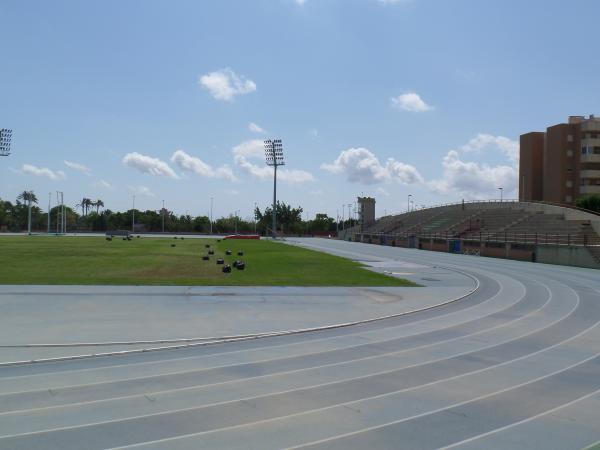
153	261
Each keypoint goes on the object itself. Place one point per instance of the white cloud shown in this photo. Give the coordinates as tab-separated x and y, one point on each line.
147	164
225	84
193	164
254	149
392	2
474	180
314	132
360	165
43	172
300	2
410	101
383	192
103	184
141	190
255	128
78	167
486	142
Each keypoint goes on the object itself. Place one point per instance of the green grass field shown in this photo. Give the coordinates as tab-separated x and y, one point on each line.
152	261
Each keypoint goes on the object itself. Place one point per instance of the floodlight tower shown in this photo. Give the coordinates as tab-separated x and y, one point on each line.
5	138
274	158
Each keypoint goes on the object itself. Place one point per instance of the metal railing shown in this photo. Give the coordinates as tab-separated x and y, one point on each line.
576	239
496	201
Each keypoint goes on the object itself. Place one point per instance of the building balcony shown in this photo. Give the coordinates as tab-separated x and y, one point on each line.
591	125
590	142
589	174
590	158
589	189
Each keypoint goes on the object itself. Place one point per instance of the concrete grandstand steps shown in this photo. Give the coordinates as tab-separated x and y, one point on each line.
465	224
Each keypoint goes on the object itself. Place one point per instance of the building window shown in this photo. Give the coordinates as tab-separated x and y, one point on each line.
596	150
568	199
569	138
569	183
570	153
583	150
594	136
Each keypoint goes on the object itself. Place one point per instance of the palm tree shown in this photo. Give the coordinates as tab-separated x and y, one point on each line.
98	204
85	205
28	197
82	204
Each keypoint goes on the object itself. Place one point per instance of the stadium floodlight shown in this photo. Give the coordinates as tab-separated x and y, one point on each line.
5	139
274	158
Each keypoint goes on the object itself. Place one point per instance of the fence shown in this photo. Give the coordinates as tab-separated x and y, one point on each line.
412	239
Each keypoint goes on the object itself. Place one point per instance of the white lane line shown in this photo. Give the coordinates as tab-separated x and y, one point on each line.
251	337
316	368
590	447
529	419
437	343
241	336
325	384
285	417
286	345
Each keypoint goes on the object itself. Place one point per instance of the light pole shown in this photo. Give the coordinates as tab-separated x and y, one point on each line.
350	213
408	202
133	216
211	208
60	213
501	189
49	199
274	158
29	215
235	220
163	216
255	217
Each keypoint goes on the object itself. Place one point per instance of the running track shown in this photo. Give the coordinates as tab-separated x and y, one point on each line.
514	365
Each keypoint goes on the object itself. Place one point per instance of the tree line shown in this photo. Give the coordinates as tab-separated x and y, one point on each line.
89	216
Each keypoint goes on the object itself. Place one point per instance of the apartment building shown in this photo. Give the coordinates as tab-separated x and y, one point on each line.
562	163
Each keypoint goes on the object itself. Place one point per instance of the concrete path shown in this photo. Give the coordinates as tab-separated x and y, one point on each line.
516	364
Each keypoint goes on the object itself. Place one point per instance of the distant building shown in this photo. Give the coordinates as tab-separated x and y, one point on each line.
366	211
561	164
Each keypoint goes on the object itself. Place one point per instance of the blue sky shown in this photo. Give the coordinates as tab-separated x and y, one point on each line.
170	100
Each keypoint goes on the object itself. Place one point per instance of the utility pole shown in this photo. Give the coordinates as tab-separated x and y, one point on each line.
60	213
163	216
29	216
133	216
408	203
274	158
255	217
211	216
49	200
350	213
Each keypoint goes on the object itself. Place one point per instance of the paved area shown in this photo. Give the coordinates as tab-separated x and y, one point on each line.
516	364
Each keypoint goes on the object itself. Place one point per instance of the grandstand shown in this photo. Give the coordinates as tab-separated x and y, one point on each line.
507	229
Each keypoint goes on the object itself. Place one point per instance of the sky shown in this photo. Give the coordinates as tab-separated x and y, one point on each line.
171	100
